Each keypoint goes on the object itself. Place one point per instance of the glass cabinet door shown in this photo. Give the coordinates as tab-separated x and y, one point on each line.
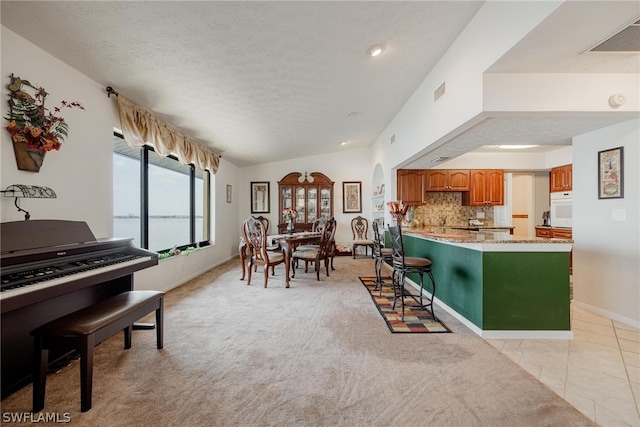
312	204
311	197
325	203
286	197
300	204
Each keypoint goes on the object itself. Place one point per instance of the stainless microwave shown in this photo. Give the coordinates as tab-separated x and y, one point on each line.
562	209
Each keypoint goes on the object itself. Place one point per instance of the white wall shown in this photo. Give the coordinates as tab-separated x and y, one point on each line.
606	253
344	165
510	160
421	124
554	94
81	171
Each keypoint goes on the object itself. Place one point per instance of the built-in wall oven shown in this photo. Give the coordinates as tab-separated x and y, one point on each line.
562	209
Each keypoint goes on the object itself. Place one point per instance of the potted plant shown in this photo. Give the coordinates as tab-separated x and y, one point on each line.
34	129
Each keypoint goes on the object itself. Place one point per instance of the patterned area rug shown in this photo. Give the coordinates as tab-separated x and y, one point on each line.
415	320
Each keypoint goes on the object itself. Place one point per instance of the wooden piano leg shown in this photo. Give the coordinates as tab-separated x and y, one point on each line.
40	363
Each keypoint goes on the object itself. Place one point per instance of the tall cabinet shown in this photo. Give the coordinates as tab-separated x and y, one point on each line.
311	196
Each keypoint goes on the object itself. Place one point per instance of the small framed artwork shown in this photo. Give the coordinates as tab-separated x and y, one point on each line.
352	197
228	193
611	173
260	197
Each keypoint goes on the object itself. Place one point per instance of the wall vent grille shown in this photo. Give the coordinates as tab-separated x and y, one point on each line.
438	92
625	40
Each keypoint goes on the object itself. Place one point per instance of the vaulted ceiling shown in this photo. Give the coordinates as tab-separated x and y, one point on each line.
266	81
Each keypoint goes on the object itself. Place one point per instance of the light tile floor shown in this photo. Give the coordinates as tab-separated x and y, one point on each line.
598	372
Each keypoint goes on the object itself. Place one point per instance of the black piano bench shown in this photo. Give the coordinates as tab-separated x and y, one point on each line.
88	327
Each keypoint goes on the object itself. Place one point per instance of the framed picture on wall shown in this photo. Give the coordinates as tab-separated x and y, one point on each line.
611	173
352	197
260	197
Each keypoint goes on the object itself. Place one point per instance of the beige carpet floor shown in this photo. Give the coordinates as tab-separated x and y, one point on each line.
316	354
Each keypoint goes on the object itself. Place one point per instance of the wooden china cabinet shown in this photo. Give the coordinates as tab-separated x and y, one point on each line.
310	195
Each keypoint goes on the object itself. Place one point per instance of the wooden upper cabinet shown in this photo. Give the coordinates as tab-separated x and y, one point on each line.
447	180
486	188
560	178
411	186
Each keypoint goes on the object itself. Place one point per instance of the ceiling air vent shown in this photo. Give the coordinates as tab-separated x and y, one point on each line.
626	40
439	159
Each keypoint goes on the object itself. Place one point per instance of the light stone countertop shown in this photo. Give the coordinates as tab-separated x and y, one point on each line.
455	235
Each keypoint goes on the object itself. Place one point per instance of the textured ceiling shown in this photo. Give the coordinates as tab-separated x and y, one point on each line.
266	81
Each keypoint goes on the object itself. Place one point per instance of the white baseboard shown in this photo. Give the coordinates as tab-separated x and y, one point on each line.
608	314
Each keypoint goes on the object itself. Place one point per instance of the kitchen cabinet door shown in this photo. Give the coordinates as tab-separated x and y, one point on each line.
437	180
447	180
495	187
411	186
459	180
486	188
561	178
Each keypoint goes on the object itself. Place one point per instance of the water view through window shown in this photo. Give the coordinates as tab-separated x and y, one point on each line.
169	206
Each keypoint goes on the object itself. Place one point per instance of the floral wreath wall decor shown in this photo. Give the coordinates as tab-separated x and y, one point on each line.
34	129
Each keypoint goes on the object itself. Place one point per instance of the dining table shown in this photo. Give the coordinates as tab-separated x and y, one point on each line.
287	242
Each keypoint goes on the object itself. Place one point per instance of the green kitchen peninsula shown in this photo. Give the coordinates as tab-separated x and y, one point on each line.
498	284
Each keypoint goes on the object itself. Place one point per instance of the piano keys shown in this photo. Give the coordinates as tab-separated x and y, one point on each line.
50	268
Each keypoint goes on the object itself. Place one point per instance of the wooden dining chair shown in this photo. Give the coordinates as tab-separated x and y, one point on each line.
323	252
258	252
265	222
318	226
360	230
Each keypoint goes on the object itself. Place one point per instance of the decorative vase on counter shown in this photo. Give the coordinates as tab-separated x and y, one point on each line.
398	211
28	158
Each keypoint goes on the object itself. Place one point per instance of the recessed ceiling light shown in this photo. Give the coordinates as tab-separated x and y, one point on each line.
515	147
343	143
354	114
376	49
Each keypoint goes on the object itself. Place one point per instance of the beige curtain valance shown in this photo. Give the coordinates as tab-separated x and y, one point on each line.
139	127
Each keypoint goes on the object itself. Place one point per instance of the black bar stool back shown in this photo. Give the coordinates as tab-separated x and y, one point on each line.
402	266
380	254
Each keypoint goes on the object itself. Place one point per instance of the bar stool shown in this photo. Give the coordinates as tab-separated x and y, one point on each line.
380	254
402	266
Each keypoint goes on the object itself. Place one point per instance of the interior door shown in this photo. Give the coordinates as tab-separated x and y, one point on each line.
522	205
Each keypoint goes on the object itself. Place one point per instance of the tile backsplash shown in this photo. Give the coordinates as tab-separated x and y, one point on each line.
448	205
